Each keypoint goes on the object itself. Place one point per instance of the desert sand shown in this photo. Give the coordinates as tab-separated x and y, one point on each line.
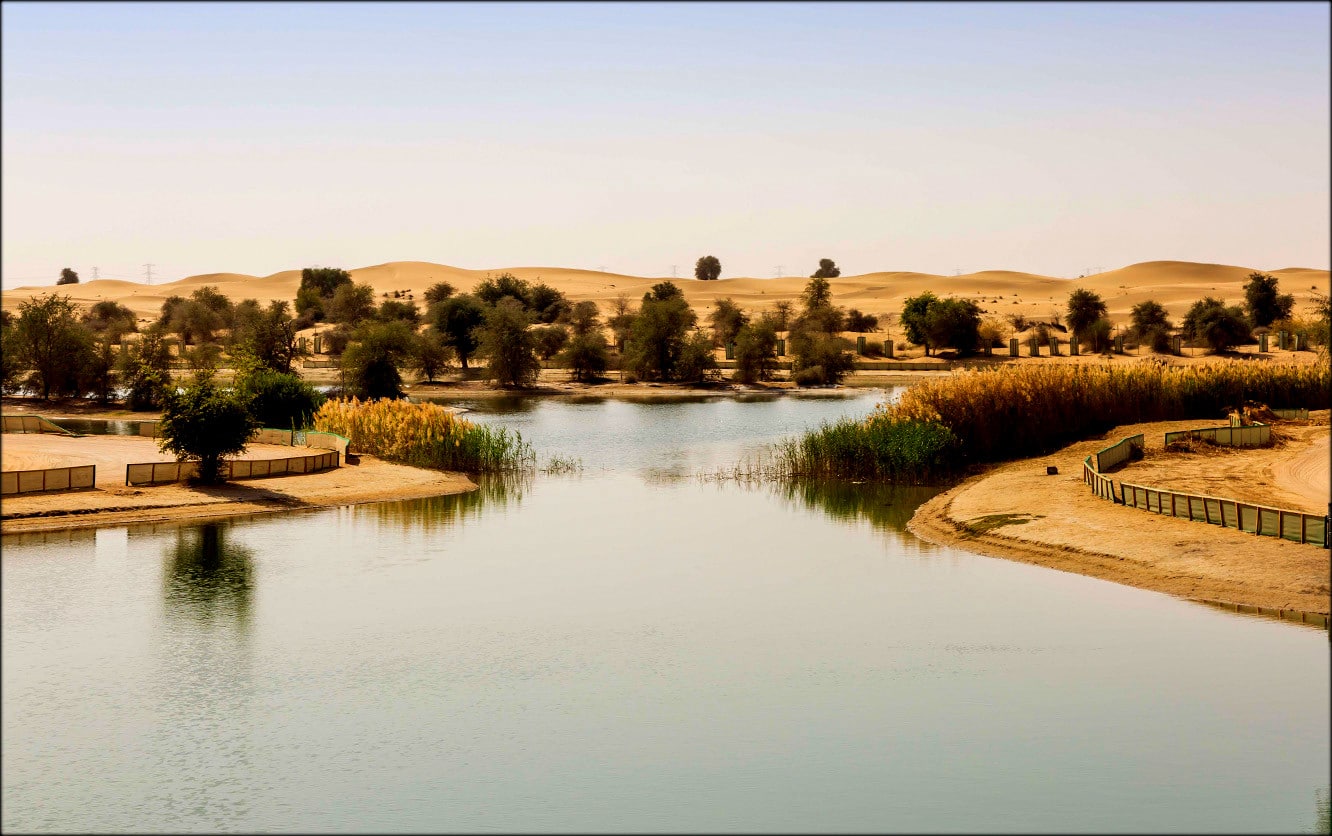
1175	284
1016	511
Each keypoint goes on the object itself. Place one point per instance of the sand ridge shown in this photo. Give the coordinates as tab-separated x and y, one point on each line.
1175	284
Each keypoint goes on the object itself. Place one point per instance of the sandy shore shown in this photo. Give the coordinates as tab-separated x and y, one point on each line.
1015	511
369	480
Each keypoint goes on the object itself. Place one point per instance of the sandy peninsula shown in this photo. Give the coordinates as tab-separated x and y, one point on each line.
111	502
1016	511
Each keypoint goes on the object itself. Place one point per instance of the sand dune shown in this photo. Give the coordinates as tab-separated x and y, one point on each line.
1175	284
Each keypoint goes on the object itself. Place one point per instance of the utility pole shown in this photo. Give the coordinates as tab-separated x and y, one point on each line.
148	271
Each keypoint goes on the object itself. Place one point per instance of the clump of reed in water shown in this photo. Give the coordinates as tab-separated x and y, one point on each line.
425	435
938	426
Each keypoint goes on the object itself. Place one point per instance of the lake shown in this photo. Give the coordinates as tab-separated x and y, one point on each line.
633	647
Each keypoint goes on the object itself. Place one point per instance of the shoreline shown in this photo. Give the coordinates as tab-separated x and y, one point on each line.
1014	511
371	480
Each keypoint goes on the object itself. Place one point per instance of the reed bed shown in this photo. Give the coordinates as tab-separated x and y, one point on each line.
425	435
1008	413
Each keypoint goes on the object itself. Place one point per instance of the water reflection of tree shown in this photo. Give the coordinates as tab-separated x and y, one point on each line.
436	513
207	577
887	507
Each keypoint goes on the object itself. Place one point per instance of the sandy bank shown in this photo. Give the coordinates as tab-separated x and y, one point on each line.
371	480
1015	511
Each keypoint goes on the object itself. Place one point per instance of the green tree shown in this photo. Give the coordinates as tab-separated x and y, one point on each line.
1084	308
111	319
457	320
324	280
144	367
11	364
621	320
318	284
756	351
276	399
708	268
1262	301
726	320
546	303
819	358
351	303
550	339
430	356
827	270
268	335
658	333
203	424
782	315
697	363
438	292
1220	325
954	322
491	290
585	355
101	374
817	293
1151	324
508	345
861	322
914	316
67	276
371	366
393	309
51	341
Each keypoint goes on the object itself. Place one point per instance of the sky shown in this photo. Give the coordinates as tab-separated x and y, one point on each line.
1049	138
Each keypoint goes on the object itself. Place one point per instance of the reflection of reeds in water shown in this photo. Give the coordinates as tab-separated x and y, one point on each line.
437	513
1322	812
886	506
208	577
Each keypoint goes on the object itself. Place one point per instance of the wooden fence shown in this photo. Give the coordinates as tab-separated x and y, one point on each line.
31	424
1228	513
1255	435
1120	452
156	473
51	479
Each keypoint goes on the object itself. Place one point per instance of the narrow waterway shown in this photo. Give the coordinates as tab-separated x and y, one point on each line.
630	647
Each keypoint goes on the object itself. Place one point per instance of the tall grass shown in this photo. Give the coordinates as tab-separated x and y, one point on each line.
425	435
1007	413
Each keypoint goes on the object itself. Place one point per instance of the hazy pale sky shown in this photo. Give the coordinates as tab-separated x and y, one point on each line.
1042	137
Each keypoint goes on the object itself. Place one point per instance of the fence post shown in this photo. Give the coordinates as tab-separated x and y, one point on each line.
1013	347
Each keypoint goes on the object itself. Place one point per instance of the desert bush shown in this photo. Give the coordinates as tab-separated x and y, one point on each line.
425	435
861	322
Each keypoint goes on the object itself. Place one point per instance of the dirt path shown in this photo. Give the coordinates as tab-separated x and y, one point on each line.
1016	511
1308	475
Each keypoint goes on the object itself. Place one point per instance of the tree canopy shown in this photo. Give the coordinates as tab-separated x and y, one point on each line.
67	276
827	270
1262	301
204	423
707	268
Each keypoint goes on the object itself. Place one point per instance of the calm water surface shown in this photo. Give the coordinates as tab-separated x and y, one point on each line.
626	649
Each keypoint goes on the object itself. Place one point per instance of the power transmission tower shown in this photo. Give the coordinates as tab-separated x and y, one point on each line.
94	273
779	271
673	271
148	271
